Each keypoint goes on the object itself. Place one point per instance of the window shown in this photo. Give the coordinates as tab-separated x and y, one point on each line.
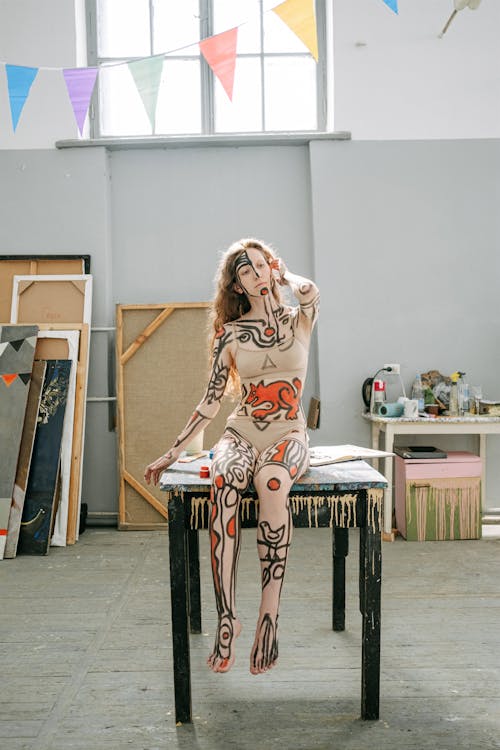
278	86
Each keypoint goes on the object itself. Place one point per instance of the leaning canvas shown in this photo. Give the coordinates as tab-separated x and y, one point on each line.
44	471
17	349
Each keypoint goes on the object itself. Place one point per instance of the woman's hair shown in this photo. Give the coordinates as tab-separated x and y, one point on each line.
227	304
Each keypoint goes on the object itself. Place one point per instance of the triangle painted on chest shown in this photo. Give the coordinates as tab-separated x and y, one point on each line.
268	364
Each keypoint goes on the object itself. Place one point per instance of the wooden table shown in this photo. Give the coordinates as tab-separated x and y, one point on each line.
469	425
341	496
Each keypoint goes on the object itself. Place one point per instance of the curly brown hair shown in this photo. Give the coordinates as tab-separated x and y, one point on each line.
227	304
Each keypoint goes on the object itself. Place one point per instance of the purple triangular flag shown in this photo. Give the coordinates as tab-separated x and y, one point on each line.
80	83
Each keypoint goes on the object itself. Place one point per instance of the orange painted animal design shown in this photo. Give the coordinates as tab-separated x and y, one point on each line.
276	396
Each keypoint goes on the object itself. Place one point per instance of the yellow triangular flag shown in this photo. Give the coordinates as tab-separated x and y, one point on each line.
300	17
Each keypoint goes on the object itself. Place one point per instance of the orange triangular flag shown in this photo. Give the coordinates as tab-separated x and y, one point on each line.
300	17
9	379
220	53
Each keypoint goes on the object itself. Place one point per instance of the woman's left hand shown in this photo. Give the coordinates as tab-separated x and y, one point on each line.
279	270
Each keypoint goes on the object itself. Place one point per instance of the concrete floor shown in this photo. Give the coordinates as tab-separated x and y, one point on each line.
86	655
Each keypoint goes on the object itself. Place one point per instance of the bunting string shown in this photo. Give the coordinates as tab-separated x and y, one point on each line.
219	51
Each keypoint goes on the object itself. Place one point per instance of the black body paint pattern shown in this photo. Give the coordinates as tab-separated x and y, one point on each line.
266	648
273	545
232	470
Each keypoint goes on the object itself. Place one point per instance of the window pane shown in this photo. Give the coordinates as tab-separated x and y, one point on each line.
179	100
244	114
123	28
231	13
278	37
176	24
120	105
290	93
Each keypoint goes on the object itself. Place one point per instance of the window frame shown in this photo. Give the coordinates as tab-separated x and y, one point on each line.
207	78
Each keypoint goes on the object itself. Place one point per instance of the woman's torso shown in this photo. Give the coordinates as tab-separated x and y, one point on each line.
271	359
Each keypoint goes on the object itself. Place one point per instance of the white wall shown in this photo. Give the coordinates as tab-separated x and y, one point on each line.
39	34
404	83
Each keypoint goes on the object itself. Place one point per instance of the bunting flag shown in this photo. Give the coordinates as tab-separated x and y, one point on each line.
147	76
80	83
220	53
392	4
19	80
300	17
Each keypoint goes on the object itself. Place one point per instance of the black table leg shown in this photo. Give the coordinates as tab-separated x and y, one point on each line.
179	601
340	550
194	581
371	573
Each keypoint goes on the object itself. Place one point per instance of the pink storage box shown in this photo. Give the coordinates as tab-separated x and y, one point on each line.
438	498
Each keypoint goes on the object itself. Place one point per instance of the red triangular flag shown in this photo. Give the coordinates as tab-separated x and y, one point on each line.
8	379
220	53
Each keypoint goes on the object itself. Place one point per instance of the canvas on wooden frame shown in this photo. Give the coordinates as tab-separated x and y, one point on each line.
17	349
162	370
36	523
24	459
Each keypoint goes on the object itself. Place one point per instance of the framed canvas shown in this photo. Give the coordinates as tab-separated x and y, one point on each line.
34	537
52	299
23	265
24	459
62	345
162	371
17	350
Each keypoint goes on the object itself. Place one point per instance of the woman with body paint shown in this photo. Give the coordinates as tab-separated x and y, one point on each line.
260	346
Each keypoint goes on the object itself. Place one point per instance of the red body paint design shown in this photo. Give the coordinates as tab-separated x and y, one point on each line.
274	484
275	397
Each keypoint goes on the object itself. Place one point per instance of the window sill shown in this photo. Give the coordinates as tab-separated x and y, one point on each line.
183	141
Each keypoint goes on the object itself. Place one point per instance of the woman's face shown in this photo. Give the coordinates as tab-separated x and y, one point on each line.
253	273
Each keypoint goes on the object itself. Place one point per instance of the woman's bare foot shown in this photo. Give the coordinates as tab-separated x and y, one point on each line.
264	654
222	657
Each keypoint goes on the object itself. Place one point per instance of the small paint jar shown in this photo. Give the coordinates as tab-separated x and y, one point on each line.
204	472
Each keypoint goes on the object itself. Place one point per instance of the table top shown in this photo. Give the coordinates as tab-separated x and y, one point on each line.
470	419
345	476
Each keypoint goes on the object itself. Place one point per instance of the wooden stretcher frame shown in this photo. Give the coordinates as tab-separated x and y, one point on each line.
125	351
23	283
16	265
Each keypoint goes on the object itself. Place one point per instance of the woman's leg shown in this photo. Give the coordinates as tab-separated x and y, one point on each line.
232	469
276	470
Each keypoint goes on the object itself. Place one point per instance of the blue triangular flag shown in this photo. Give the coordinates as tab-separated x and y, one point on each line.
19	80
392	4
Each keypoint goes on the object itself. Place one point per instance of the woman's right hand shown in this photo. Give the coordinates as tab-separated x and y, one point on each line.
153	471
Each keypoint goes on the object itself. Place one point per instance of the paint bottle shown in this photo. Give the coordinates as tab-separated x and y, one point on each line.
378	395
417	392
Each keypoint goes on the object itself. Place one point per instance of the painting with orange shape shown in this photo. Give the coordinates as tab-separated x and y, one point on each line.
268	331
219	481
293	471
231	526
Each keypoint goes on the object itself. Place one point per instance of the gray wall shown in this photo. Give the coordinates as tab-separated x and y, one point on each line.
407	252
402	238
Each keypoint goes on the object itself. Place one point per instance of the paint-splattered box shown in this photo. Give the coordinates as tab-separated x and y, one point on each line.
438	499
